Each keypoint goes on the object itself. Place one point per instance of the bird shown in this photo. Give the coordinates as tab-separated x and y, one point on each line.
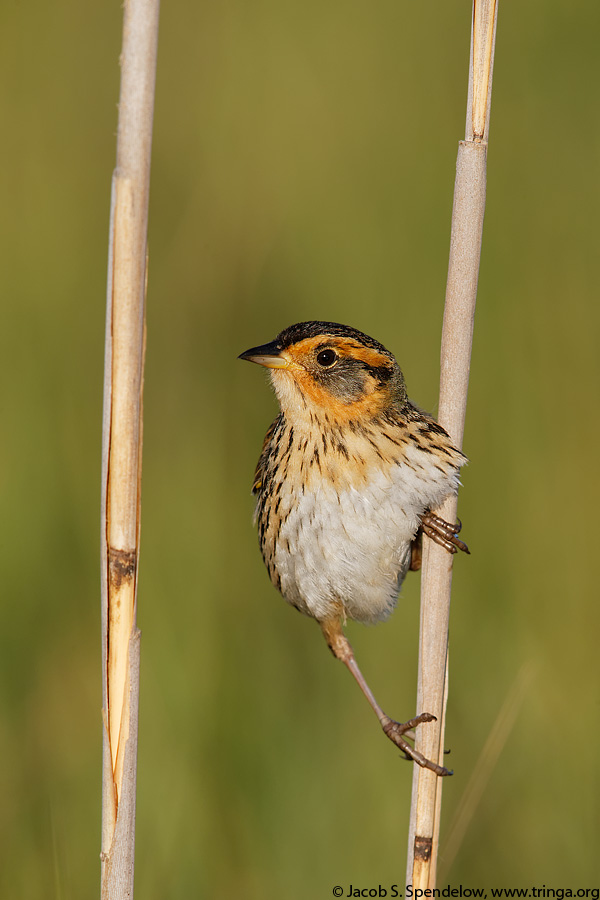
346	483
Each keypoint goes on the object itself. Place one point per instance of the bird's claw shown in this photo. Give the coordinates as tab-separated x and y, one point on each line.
443	533
396	732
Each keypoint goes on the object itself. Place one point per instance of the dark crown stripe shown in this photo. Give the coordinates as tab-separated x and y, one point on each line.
304	330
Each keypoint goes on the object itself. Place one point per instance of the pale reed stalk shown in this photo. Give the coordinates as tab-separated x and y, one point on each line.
459	312
122	446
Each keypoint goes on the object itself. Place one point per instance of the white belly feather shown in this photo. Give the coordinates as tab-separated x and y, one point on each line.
352	545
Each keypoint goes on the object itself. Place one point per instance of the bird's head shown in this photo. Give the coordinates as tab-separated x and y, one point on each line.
324	367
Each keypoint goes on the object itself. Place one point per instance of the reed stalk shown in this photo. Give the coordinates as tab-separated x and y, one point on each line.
122	446
457	336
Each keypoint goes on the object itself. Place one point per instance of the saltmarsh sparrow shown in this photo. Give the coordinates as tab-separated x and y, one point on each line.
348	475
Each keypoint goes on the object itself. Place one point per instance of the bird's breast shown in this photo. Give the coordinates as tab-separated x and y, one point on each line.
337	512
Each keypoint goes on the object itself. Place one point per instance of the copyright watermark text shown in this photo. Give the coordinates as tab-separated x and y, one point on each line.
412	893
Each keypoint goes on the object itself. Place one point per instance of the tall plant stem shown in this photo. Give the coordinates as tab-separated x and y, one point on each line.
457	336
122	446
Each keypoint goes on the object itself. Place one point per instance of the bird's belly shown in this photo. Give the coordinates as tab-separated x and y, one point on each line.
348	548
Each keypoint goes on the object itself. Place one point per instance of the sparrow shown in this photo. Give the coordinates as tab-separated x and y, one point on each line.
348	476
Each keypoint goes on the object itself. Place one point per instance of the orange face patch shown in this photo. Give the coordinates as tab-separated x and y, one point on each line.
312	381
304	351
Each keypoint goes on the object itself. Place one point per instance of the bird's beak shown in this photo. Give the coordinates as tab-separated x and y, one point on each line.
268	355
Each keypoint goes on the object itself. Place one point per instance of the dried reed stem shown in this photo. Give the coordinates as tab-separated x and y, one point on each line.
122	445
457	335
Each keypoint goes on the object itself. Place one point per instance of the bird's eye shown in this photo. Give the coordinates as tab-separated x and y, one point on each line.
327	358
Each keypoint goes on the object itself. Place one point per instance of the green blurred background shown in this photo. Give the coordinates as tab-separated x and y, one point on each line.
303	167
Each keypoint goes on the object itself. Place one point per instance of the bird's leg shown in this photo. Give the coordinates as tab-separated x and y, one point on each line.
442	533
416	552
340	647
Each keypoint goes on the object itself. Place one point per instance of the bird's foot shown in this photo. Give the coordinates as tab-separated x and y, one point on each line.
396	731
443	533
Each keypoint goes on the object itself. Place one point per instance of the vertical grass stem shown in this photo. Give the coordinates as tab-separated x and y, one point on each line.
457	336
122	445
